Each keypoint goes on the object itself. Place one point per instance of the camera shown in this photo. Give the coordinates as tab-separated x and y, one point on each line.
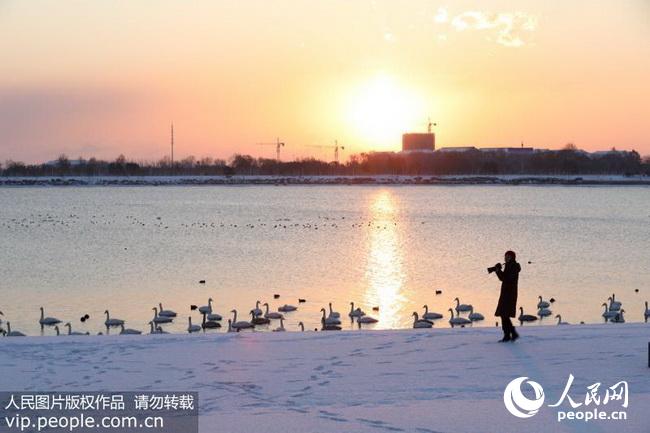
494	268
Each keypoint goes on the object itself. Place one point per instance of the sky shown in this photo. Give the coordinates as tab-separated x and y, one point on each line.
102	78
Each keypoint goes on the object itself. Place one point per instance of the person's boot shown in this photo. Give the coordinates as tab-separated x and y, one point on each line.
514	335
506	337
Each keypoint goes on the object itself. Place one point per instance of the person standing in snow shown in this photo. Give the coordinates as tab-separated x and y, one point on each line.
507	306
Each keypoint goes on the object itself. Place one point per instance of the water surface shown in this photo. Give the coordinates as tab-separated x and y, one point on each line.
82	250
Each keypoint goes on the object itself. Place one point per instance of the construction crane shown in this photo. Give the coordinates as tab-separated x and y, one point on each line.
336	148
278	144
430	125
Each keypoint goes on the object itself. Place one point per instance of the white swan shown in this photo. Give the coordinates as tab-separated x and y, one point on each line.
206	309
334	314
272	314
457	320
475	316
210	324
48	321
214	317
542	303
614	305
192	328
286	308
211	315
166	313
11	333
159	319
156	330
257	311
430	315
646	313
420	323
69	325
559	320
525	317
257	320
355	312
242	324
281	328
129	331
367	319
302	326
608	314
462	307
619	317
112	322
330	327
543	312
329	320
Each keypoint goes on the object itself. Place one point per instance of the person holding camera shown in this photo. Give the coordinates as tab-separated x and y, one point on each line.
507	306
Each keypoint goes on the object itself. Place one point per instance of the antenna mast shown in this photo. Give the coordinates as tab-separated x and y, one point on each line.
172	143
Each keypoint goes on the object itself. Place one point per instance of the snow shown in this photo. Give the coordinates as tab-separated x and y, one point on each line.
433	380
327	180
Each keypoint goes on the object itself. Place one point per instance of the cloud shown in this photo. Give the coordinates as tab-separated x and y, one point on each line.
513	29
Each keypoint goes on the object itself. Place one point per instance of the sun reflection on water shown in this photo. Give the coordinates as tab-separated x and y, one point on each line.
384	267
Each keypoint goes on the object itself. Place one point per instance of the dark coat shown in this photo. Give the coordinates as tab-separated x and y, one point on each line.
507	306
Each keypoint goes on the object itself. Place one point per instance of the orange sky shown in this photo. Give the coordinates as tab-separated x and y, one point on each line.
106	77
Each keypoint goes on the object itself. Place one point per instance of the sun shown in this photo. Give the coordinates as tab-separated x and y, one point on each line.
381	110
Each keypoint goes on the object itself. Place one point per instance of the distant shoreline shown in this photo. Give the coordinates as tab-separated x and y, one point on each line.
572	180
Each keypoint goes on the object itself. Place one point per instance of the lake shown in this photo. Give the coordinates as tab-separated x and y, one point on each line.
81	250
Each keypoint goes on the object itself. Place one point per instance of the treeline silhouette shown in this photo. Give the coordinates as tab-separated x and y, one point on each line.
568	161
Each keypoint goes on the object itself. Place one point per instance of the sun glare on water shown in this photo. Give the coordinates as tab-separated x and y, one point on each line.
384	267
382	109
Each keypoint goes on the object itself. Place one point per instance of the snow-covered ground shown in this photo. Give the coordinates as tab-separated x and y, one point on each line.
434	380
326	180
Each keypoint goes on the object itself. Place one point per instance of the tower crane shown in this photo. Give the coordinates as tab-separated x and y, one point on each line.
430	125
278	145
336	148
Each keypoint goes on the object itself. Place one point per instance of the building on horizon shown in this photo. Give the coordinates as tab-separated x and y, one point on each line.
513	150
71	162
458	149
418	142
612	152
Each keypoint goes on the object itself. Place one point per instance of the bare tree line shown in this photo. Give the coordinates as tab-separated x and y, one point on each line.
568	160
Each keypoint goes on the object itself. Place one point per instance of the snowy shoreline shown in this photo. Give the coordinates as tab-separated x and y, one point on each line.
587	180
440	380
